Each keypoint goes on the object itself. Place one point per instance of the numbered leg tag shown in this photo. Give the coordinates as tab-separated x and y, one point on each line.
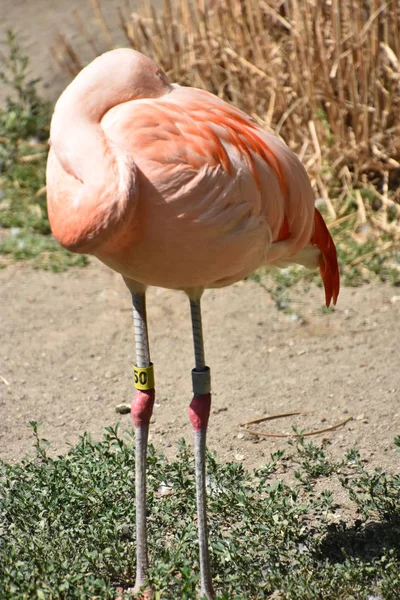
144	377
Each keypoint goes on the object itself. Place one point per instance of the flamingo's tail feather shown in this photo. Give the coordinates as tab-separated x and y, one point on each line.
328	264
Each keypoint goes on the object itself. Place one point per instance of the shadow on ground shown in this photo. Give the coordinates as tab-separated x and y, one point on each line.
364	541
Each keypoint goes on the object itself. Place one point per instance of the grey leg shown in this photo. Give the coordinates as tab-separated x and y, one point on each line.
199	412
142	408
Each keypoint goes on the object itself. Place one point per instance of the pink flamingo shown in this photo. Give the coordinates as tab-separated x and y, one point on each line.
172	187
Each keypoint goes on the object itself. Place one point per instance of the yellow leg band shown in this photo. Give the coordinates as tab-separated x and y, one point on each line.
144	377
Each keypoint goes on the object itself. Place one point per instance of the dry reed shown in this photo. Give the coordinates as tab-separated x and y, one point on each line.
323	74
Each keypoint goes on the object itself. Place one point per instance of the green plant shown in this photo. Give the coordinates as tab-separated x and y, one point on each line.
67	527
312	459
376	494
24	130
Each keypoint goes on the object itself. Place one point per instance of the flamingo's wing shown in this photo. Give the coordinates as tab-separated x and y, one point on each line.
204	158
280	189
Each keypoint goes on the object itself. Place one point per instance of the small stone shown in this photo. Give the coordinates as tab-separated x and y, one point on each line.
165	490
360	417
239	457
123	409
240	435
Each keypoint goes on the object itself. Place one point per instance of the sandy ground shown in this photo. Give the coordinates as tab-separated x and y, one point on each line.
67	340
67	351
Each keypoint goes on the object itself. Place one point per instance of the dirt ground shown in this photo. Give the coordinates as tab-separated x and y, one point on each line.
67	340
67	351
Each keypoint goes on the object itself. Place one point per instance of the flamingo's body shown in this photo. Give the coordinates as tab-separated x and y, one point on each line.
172	187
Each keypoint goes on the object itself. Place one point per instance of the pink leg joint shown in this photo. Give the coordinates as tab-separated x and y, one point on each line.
142	407
199	411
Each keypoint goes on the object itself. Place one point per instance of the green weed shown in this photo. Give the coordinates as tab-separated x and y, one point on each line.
312	459
24	130
376	494
67	527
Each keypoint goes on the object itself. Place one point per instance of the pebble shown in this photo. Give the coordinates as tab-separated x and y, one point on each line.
123	409
165	490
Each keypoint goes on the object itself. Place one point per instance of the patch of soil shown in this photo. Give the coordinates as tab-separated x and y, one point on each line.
67	349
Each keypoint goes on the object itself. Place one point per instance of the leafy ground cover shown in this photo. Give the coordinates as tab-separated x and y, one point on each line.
67	525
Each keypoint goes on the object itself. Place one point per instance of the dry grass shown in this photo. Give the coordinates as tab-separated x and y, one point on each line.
323	74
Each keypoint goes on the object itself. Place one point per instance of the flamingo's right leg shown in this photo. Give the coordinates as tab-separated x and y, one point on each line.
142	408
199	412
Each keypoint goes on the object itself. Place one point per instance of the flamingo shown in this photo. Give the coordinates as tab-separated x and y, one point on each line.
171	186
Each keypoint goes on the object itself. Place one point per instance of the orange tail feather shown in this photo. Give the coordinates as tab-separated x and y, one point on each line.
328	264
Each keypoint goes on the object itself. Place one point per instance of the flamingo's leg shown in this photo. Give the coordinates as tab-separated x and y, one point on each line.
142	408
199	412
